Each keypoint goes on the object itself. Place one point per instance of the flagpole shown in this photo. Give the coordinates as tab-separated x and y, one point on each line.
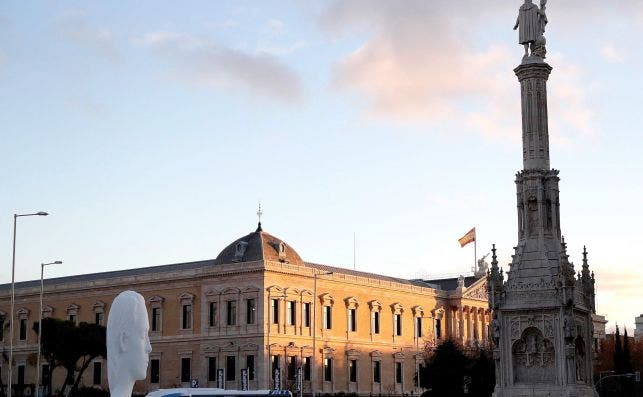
475	251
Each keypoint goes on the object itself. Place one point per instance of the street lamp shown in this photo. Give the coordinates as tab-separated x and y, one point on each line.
13	290
42	270
314	370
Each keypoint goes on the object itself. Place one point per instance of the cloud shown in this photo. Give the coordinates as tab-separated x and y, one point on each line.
205	63
418	61
73	25
617	294
611	54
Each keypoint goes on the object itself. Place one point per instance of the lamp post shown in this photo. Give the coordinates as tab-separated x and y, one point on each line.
13	290
314	369
42	270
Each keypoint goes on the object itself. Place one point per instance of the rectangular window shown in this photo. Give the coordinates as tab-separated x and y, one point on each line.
415	378
398	372
187	316
275	363
156	319
397	324
274	306
438	328
230	368
352	370
23	329
328	370
328	317
291	310
306	314
377	372
21	374
45	374
212	369
306	368
251	311
250	365
72	318
185	369
376	322
352	320
418	326
155	371
232	313
212	314
98	318
292	367
98	372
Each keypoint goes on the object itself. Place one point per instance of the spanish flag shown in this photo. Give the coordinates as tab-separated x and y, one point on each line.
467	238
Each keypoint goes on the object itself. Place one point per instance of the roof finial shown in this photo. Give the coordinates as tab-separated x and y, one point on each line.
259	213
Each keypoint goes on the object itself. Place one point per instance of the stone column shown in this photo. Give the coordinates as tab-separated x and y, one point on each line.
453	324
475	335
535	132
461	323
471	321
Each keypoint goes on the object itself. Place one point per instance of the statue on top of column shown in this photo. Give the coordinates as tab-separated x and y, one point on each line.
531	21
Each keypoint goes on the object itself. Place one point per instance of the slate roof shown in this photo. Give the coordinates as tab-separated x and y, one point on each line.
352	272
449	284
259	246
111	274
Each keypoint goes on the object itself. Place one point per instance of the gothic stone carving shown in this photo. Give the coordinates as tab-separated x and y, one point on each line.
533	357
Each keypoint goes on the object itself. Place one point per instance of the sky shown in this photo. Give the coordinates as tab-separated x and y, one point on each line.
151	130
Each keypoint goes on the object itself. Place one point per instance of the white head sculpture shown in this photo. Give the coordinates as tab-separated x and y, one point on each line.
128	344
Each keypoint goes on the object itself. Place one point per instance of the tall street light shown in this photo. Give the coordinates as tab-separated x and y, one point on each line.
13	290
42	271
314	371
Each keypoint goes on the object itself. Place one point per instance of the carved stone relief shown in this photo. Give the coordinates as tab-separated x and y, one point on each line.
533	357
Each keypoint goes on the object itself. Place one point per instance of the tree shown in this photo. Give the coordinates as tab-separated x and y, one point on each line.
72	347
445	370
483	373
618	353
627	361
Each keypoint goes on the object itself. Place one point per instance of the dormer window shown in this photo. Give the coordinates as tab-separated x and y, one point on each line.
282	251
240	251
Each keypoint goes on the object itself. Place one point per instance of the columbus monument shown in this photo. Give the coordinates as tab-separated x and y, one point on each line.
542	324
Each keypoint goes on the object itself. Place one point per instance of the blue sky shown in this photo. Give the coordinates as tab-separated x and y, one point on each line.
150	131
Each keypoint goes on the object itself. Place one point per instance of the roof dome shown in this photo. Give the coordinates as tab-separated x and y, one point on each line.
258	246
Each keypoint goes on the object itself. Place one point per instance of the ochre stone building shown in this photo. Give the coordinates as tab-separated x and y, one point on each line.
259	307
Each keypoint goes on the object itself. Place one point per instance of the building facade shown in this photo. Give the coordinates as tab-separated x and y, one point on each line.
259	310
638	323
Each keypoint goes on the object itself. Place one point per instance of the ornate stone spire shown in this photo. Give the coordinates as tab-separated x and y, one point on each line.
542	312
495	281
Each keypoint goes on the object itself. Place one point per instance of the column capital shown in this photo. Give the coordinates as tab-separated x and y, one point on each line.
533	70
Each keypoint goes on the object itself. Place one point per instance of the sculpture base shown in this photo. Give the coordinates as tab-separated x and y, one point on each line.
527	59
540	390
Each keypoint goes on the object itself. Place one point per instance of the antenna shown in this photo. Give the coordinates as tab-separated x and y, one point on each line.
354	262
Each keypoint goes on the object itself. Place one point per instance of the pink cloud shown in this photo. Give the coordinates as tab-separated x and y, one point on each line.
418	62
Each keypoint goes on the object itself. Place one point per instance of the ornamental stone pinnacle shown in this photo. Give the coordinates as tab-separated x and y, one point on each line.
542	313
